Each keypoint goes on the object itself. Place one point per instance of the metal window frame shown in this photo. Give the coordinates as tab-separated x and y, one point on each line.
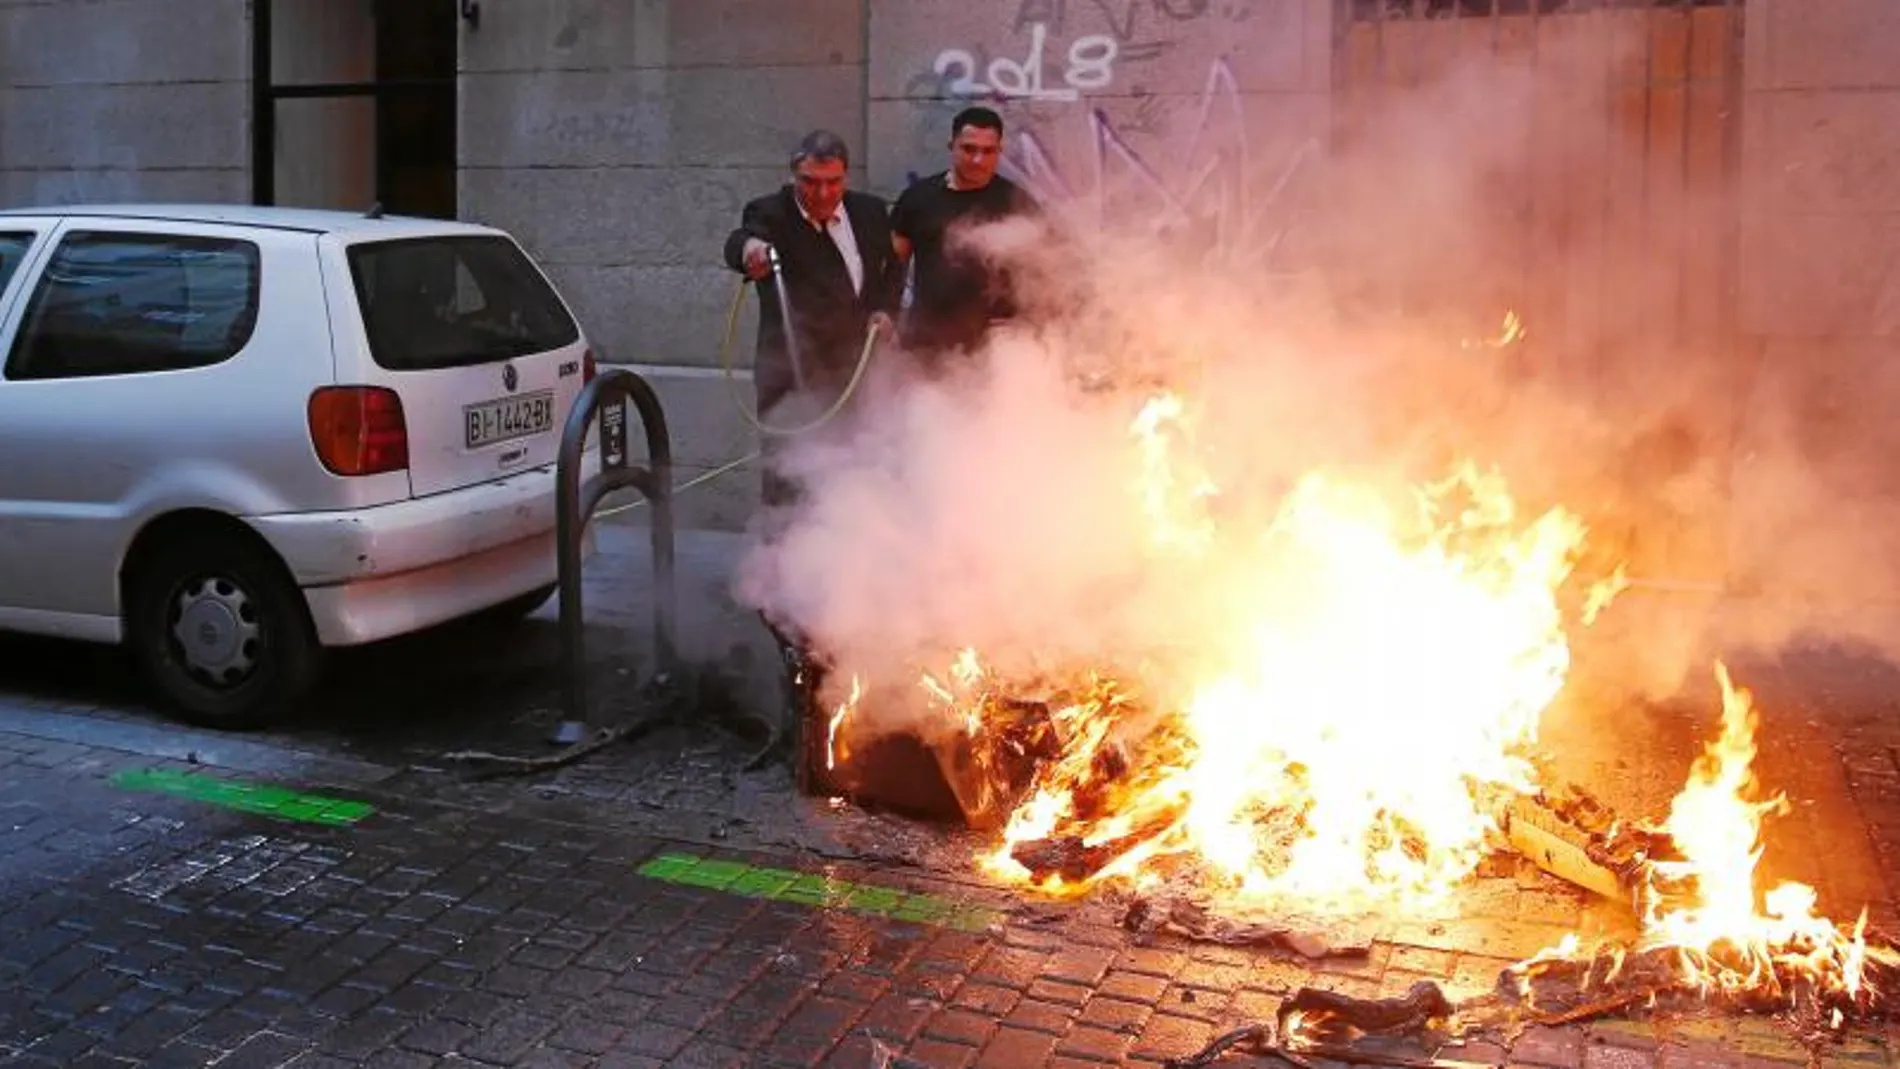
265	96
1407	10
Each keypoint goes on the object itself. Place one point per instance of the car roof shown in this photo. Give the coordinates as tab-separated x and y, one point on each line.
312	220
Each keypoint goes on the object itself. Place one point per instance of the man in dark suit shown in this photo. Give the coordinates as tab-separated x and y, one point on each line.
834	249
842	277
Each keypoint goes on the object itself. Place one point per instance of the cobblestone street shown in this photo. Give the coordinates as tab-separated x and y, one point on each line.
335	893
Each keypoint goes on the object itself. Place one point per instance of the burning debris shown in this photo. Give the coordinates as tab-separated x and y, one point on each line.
1312	1018
990	770
975	771
1328	1026
1709	940
1361	665
1808	981
1562	988
1349	731
1313	939
1573	836
1345	755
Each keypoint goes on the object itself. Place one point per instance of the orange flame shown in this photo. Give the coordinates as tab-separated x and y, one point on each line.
1510	332
1731	940
835	748
1389	658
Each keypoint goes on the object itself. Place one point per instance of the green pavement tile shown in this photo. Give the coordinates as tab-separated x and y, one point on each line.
973	920
923	909
819	892
667	867
716	875
343	812
305	809
1707	1031
864	898
1623	1033
262	799
1861	1052
762	883
1767	1040
808	890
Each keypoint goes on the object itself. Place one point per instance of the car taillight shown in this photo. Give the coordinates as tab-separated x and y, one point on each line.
589	367
359	430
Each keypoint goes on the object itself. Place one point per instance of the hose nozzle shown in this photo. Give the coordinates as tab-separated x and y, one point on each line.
785	314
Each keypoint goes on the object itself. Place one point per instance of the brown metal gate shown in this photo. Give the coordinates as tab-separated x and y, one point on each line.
1610	197
1617	199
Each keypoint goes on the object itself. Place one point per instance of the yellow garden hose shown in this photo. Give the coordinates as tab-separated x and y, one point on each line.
732	385
732	380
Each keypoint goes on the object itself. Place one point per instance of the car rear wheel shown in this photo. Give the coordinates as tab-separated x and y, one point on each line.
221	632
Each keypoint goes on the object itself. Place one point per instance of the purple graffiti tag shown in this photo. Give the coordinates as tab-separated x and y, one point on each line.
1124	16
1052	13
1030	166
1206	184
1124	27
1109	144
1222	87
1181	10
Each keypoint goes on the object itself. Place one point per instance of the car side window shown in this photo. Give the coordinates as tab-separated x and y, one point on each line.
13	248
128	303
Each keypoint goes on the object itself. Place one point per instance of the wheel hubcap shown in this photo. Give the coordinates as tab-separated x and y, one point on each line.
215	631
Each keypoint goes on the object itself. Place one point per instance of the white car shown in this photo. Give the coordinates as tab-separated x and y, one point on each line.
232	437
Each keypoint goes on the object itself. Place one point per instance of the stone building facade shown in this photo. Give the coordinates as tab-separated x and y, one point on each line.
618	139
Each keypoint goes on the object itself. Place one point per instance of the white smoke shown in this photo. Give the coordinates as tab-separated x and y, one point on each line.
1001	507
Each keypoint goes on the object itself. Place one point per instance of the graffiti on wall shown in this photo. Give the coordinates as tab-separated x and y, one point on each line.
1062	49
1116	108
1090	66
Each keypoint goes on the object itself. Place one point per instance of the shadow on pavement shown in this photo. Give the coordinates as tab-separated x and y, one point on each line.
444	688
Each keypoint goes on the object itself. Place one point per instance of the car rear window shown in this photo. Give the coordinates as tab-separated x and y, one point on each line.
451	301
127	303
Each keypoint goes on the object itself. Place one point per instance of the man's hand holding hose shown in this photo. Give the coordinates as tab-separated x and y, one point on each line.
759	262
758	259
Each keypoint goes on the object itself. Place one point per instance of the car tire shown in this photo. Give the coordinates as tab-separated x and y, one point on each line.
515	609
253	655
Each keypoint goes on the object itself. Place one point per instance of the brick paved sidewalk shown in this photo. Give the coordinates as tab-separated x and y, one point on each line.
159	913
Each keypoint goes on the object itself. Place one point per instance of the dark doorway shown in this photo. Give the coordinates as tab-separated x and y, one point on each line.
355	104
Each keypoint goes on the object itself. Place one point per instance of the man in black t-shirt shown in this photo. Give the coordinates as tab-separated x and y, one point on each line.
956	294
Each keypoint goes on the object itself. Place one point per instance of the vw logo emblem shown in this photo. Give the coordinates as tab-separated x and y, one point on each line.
509	377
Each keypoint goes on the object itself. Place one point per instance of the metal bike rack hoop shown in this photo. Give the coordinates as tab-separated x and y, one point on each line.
575	502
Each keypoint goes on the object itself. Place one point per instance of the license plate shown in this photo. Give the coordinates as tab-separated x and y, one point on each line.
506	419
